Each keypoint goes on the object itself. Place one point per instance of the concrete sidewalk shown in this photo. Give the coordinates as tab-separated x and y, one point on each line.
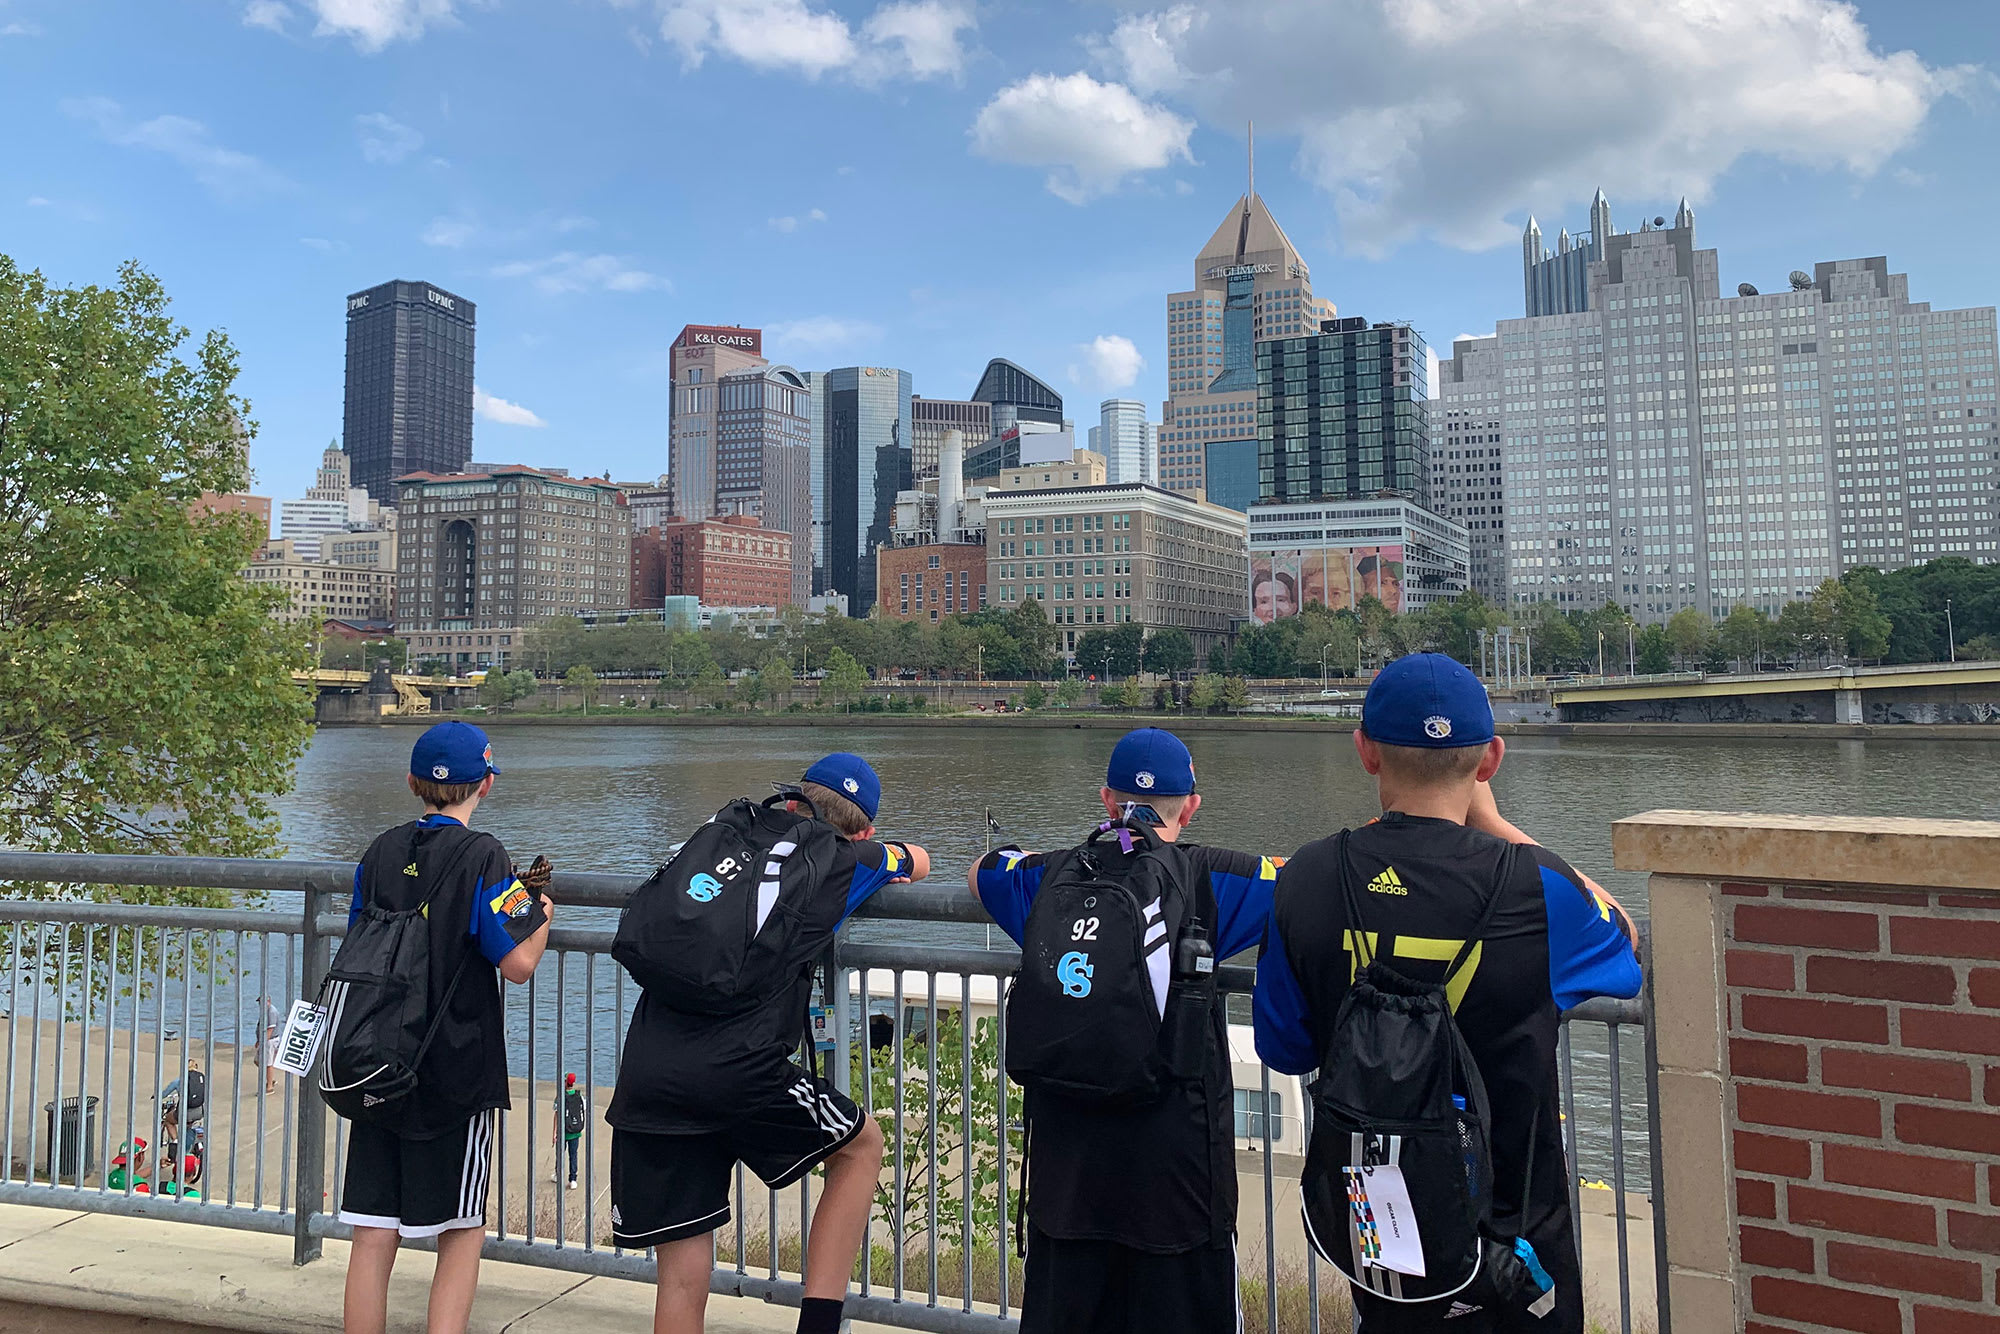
63	1272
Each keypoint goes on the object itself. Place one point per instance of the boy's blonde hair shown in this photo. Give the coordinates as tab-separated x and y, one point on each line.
1426	766
836	810
440	795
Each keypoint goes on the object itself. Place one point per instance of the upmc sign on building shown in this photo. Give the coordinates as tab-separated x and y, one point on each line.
729	336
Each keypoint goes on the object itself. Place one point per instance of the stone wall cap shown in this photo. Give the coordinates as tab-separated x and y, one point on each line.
1811	849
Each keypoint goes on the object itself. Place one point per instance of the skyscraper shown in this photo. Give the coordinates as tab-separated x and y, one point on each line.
1558	283
1129	442
1466	483
930	418
1249	284
1345	414
409	384
866	460
1016	396
701	355
763	459
331	505
1669	447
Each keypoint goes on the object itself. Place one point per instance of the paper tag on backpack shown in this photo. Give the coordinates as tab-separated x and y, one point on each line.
1385	1226
299	1043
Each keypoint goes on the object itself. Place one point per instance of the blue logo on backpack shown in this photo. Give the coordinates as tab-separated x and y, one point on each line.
1074	971
704	887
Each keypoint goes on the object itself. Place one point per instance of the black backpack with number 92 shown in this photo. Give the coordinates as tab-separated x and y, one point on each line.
1087	1014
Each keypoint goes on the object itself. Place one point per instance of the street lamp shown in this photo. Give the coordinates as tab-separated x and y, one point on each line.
1600	653
1951	640
979	663
1324	650
1631	654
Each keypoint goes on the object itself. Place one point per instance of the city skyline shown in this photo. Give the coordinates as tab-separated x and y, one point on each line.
326	153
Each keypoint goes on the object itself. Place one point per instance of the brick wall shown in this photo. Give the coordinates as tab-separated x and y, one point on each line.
1863	1105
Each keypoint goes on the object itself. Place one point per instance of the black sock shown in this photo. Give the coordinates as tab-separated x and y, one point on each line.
819	1315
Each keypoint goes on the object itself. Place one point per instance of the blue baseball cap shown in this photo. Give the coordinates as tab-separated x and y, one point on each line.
852	777
1150	760
452	753
1428	701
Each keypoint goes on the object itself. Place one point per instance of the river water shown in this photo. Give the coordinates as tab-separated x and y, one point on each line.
614	798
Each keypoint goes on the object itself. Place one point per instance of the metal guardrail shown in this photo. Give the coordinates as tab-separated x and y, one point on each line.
123	1002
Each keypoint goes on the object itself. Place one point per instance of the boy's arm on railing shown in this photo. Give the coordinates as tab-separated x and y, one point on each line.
1485	815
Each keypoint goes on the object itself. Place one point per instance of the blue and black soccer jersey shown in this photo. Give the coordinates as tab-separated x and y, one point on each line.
1552	943
693	1073
1161	1176
478	913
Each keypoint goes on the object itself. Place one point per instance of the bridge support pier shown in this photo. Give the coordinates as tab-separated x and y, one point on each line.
1847	706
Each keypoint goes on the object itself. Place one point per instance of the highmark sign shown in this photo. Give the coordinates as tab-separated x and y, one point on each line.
1239	270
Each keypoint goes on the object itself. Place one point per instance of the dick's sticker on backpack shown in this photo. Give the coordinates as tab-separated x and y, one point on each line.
299	1043
1385	1226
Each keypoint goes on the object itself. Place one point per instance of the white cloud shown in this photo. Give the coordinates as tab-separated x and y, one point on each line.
19	30
385	139
1450	116
570	271
791	224
500	410
269	14
1110	361
448	233
38	201
905	39
322	244
821	334
373	24
1092	135
576	222
223	170
922	35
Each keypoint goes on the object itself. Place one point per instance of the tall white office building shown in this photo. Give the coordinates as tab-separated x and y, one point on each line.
1466	478
1129	443
330	506
1667	447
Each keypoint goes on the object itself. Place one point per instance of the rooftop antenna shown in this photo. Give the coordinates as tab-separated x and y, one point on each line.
1251	140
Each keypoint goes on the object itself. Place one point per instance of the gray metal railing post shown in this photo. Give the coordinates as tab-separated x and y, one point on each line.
1663	1318
311	1193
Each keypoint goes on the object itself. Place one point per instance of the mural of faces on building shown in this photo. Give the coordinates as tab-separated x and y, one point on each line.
1284	583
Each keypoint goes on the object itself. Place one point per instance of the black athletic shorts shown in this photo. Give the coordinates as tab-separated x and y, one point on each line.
419	1187
1100	1287
670	1187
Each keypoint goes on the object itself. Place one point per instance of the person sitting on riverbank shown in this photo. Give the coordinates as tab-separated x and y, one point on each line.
427	1176
1449	894
705	1086
1130	1191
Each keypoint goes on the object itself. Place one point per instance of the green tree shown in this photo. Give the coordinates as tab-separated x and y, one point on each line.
845	680
1690	633
1068	691
1115	696
1656	651
711	687
1033	695
1205	692
750	689
1167	651
1743	636
584	681
1235	694
147	699
774	679
1863	623
1113	652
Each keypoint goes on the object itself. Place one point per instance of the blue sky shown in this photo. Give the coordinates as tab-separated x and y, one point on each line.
932	183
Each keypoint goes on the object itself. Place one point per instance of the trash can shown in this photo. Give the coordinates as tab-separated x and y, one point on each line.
76	1141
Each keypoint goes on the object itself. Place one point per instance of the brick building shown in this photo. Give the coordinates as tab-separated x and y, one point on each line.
235	502
731	561
924	582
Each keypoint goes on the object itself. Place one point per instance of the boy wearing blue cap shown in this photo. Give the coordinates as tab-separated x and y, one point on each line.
427	1177
699	1093
1130	1200
1445	897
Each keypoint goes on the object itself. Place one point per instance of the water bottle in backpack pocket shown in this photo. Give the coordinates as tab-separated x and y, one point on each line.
717	929
1093	1012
